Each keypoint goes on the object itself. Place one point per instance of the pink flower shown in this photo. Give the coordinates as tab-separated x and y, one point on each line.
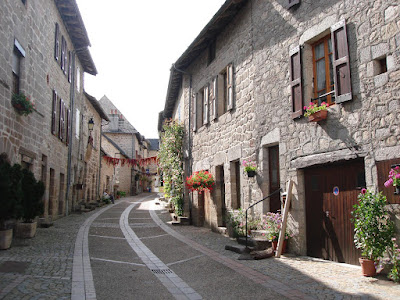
363	191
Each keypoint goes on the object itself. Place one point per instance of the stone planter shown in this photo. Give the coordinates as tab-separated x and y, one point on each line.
318	116
367	267
26	230
5	238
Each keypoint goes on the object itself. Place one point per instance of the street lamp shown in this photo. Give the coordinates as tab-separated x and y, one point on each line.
91	124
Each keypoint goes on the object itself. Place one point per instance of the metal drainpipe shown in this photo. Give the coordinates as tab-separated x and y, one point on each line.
69	166
99	177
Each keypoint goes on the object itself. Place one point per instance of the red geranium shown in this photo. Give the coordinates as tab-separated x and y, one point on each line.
200	181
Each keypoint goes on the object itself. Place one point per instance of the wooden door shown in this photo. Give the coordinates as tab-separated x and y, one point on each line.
274	181
331	192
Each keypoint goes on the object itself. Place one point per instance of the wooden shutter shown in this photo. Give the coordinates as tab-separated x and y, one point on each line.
54	113
57	43
229	86
194	112
62	58
68	126
291	3
205	105
66	66
69	66
214	97
341	62
296	82
61	120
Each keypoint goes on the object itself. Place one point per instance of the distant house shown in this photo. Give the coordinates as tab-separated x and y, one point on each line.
241	88
44	53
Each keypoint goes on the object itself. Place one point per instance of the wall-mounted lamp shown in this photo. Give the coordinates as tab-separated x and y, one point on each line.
91	124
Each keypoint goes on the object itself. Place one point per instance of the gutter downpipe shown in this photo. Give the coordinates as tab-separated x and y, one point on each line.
69	166
189	135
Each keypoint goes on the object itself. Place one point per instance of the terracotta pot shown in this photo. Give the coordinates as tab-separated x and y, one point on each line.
26	230
367	267
318	116
251	173
5	238
275	246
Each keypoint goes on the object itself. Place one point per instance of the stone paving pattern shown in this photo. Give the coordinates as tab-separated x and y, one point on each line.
46	266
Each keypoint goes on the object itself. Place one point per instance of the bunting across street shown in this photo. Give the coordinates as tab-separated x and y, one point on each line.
131	162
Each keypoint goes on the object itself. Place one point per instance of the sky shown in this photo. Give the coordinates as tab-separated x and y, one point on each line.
134	44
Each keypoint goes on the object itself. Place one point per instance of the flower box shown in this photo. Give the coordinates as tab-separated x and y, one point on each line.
251	173
318	116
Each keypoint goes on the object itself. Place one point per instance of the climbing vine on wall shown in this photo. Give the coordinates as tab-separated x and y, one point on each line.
170	158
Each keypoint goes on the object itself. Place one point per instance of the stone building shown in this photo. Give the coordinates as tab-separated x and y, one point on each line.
241	86
44	55
132	144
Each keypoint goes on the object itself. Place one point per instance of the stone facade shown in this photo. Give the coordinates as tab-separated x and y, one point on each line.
28	38
258	42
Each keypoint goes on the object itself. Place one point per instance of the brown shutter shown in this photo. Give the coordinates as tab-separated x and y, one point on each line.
296	82
214	97
66	66
61	120
205	105
68	126
194	112
341	62
62	58
229	86
69	66
54	113
291	3
57	43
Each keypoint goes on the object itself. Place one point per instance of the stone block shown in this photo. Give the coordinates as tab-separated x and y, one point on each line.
380	50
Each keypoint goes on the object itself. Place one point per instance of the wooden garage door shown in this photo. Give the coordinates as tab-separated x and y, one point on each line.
331	192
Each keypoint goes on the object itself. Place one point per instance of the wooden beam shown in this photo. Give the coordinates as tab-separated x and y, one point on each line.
284	218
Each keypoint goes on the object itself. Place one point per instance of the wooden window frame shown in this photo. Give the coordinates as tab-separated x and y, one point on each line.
328	86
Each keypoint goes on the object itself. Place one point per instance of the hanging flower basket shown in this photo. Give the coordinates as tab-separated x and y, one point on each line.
251	173
250	168
22	104
200	181
318	116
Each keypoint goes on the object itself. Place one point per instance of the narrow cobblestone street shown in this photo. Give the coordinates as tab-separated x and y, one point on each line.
129	251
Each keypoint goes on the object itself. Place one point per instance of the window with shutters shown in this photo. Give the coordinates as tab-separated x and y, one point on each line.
63	50
213	98
225	90
69	66
205	105
323	63
57	43
68	126
18	54
61	124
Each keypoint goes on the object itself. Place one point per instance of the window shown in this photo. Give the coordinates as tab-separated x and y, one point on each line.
214	98
61	126
331	70
54	113
225	88
77	120
63	51
323	72
69	66
68	127
18	53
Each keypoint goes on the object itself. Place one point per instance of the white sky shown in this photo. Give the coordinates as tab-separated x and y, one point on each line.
134	44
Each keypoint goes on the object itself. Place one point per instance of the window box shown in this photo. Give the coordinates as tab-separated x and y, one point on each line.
318	116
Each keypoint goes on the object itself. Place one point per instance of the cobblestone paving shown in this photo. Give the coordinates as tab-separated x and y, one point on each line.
48	259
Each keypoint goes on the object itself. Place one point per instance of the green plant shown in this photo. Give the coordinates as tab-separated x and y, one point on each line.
373	229
10	190
236	219
272	223
200	181
170	158
394	259
313	108
394	177
22	104
121	193
249	166
178	204
32	190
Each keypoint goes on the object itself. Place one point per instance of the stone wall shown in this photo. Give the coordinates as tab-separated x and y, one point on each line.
258	43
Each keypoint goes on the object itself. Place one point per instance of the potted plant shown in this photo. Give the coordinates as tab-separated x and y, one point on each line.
394	179
250	168
10	198
272	223
200	181
315	112
22	104
31	206
373	229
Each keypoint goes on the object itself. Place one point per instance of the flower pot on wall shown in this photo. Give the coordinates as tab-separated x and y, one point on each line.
367	267
5	238
251	173
26	230
318	116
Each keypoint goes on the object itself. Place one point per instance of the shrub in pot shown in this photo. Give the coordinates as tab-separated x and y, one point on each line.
10	198
31	205
373	229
